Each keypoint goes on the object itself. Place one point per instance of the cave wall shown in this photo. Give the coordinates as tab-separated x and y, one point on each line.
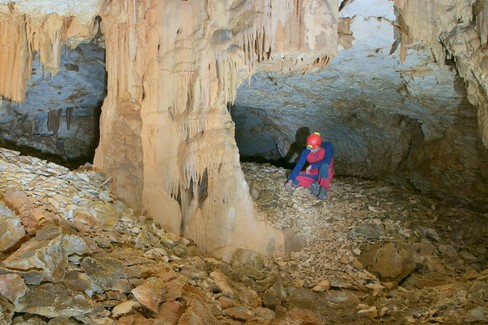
396	104
60	112
51	84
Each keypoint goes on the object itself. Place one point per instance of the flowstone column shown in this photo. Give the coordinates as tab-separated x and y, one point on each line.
167	138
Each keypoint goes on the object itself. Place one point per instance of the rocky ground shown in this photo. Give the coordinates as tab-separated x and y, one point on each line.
376	254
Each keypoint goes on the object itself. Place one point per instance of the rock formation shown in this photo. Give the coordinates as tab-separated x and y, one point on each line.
174	67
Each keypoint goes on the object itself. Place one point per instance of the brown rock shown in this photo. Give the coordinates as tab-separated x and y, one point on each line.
109	273
12	229
392	263
151	294
242	313
247	257
123	308
170	312
45	251
54	300
197	313
322	286
12	287
222	282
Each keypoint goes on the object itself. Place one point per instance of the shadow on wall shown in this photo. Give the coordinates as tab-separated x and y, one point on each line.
298	146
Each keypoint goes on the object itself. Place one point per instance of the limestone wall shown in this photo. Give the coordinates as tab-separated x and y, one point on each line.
447	27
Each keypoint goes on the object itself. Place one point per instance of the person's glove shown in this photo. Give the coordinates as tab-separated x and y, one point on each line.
288	184
309	168
324	171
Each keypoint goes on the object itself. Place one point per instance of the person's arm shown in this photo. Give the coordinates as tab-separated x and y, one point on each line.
329	153
299	165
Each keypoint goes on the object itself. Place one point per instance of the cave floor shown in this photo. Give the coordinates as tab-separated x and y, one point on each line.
385	252
376	254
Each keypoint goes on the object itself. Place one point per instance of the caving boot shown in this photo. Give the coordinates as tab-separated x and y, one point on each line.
322	195
314	189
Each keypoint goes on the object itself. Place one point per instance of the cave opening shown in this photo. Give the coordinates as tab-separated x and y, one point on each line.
59	119
411	131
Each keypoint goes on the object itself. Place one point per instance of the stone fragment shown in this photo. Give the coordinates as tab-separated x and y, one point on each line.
477	314
107	272
369	312
299	315
369	231
470	274
448	250
275	294
7	310
54	300
170	312
12	230
226	302
105	215
375	286
341	296
241	313
247	257
322	286
197	313
12	287
45	251
29	277
62	321
79	281
123	308
246	295
222	282
341	283
264	314
151	294
428	233
175	288
82	220
390	262
467	256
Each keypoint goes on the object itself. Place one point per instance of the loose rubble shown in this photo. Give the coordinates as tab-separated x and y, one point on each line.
70	253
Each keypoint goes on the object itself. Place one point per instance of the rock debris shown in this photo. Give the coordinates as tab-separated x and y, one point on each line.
70	253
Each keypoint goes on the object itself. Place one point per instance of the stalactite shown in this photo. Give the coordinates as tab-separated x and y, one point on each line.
132	31
69	115
53	120
21	35
15	57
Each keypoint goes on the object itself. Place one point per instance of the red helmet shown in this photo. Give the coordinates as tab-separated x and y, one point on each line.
314	141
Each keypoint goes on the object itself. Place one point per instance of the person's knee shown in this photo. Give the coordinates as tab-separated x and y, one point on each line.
324	171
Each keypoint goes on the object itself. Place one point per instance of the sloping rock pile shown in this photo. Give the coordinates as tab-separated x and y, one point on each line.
70	253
